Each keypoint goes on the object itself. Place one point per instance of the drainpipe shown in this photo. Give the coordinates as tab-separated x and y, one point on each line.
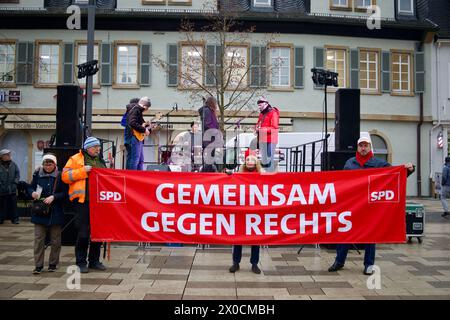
419	149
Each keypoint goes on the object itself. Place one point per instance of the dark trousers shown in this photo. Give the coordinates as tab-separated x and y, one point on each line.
237	254
8	207
83	242
267	151
369	254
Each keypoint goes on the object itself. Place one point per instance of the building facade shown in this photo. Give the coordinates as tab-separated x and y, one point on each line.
390	62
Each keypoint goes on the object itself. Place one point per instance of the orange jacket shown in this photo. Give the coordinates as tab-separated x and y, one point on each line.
75	176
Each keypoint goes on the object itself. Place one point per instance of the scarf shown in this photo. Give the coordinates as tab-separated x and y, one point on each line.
363	159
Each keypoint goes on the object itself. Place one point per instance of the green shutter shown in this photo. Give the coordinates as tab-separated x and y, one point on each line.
354	69
25	63
299	68
106	64
319	62
419	67
258	67
68	59
146	65
210	66
386	72
172	63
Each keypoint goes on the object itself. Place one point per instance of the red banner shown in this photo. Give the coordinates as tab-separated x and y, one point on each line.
358	206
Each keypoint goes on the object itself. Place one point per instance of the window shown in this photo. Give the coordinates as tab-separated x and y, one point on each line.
82	58
337	62
406	6
280	63
153	1
48	62
191	65
401	72
7	63
364	4
236	66
380	148
262	3
369	70
341	5
127	65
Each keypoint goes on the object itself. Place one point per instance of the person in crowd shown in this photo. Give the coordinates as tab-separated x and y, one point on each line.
76	175
251	165
184	148
48	186
208	115
135	132
266	129
445	186
9	179
364	159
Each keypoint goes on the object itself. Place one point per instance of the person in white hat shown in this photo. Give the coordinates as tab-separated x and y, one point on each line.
9	179
48	187
364	159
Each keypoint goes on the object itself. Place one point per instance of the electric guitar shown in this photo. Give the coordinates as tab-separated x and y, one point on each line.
141	135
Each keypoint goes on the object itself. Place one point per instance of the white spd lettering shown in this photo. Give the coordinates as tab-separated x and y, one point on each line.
387	195
110	196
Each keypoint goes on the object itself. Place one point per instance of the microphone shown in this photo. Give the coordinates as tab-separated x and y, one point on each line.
176	106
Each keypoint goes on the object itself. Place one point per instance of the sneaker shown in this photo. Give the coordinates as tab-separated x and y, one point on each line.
37	270
255	269
445	214
83	269
335	267
97	266
52	268
234	267
368	270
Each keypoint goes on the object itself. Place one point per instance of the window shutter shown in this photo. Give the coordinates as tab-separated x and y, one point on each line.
354	69
25	63
68	53
319	62
258	67
210	66
299	68
146	65
172	62
106	64
386	72
419	67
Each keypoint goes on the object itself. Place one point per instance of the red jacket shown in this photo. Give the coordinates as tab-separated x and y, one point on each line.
267	126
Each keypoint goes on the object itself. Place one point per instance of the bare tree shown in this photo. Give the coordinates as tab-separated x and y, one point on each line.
215	60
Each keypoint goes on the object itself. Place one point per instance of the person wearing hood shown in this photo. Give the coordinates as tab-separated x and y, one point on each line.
445	186
47	185
266	130
208	116
9	179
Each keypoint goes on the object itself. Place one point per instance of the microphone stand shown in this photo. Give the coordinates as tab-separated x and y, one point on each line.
174	108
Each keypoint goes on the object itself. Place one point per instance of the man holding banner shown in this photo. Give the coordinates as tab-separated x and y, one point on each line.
364	159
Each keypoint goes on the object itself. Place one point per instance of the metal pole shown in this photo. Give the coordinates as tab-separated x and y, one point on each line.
90	57
326	130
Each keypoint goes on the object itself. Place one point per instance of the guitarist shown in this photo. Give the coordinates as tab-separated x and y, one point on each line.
135	132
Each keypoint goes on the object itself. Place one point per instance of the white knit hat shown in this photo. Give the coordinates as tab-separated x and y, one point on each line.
49	157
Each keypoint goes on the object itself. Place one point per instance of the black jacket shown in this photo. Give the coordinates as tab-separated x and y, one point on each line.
9	178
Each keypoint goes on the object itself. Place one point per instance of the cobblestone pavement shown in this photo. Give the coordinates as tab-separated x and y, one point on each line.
408	271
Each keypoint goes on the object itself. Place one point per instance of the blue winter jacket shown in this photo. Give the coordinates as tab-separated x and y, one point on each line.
46	181
373	162
446	175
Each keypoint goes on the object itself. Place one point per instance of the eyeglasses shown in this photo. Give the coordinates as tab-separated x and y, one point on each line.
47	163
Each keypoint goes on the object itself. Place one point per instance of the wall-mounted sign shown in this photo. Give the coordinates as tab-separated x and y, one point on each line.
14	96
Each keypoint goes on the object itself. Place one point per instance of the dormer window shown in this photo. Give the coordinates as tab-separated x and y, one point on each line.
262	3
405	7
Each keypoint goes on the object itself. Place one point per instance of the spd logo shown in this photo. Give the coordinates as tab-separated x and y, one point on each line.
384	188
110	189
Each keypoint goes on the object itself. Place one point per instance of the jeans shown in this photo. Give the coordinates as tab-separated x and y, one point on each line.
8	207
83	242
267	151
135	154
369	255
237	254
445	193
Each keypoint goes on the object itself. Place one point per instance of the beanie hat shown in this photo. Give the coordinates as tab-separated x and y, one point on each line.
262	99
49	157
91	142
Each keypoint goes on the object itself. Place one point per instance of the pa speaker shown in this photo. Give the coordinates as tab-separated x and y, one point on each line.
158	167
347	123
336	160
69	111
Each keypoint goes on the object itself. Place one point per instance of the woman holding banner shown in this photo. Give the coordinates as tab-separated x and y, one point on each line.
252	165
